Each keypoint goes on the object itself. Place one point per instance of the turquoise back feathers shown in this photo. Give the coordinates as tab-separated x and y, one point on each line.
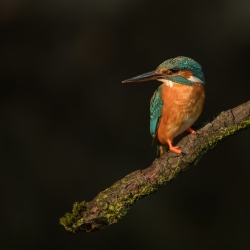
156	104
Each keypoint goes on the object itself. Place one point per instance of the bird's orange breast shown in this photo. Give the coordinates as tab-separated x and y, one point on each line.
182	106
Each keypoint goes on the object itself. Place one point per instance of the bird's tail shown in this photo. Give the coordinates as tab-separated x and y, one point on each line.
161	149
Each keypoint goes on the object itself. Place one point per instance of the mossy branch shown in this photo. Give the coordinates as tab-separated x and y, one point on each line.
110	205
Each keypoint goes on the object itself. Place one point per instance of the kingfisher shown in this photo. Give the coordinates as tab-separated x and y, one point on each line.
178	101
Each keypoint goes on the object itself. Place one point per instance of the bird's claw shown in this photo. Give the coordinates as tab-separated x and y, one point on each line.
190	130
175	149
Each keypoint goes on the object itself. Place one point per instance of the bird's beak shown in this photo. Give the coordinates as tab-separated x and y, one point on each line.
145	77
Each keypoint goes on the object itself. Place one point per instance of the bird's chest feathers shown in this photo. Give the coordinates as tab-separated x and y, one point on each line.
182	105
181	97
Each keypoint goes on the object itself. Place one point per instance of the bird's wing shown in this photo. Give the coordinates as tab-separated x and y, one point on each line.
156	104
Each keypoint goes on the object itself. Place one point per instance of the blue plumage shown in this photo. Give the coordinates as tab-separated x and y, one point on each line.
156	104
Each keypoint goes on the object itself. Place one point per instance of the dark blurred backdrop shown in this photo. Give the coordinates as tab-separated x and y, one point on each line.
69	128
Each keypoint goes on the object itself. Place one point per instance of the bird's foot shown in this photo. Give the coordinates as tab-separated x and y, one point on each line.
173	148
190	130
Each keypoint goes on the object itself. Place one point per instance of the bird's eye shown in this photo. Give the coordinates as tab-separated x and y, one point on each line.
174	70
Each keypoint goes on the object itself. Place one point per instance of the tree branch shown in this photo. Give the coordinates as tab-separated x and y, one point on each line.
110	205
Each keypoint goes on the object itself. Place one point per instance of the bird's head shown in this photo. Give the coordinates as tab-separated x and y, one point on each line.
182	70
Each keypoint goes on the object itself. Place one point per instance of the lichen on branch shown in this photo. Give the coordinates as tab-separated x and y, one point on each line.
110	205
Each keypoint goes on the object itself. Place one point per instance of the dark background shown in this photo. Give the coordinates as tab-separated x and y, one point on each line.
70	129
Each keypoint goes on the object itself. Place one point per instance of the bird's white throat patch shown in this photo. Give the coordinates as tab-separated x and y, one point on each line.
167	82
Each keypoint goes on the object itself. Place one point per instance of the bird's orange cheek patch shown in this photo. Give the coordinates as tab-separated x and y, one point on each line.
162	71
186	73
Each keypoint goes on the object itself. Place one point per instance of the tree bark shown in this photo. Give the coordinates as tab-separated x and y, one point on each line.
110	205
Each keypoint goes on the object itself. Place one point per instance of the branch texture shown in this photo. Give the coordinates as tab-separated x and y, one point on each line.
110	205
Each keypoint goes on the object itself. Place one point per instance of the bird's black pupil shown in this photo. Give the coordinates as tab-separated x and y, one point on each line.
174	70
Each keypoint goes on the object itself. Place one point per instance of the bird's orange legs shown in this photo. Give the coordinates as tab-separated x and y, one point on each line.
172	148
190	130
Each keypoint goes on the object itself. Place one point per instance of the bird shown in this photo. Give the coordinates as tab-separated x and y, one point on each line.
178	101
